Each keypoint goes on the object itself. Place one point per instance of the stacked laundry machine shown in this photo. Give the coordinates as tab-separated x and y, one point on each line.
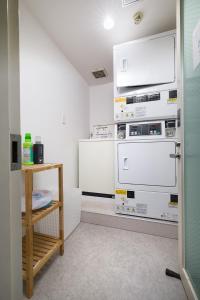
145	114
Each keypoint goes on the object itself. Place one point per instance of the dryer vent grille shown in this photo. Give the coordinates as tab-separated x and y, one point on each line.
128	2
99	73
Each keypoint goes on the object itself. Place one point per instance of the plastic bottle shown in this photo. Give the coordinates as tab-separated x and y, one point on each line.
38	151
28	150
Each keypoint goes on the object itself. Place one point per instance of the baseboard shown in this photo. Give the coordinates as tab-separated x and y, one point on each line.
190	292
66	237
153	227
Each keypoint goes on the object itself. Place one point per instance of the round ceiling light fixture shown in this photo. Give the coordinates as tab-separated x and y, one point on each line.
108	23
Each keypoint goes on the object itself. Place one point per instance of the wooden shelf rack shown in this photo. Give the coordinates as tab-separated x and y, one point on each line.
38	248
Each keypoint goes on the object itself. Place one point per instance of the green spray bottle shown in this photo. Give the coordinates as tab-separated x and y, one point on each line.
28	150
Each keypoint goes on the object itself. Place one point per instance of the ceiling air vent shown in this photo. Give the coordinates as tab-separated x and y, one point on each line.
128	2
99	73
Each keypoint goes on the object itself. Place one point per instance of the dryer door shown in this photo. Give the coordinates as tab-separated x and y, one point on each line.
142	62
147	163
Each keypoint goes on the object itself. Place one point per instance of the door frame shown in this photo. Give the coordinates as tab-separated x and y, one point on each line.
10	181
181	228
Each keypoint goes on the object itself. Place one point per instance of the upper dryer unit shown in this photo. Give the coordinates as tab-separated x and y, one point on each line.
147	61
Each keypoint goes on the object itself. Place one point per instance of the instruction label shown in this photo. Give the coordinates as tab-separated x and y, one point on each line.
172	100
140	111
120	100
121	192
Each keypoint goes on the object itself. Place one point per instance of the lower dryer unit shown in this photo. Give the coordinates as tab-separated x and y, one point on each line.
146	171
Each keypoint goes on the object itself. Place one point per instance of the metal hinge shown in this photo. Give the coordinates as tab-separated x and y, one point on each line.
179	118
175	155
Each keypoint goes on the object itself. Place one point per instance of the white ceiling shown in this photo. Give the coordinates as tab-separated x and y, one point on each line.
77	28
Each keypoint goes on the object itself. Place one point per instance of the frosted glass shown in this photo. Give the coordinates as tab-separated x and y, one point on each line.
190	19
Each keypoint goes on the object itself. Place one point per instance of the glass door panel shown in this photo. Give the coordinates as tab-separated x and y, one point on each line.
191	59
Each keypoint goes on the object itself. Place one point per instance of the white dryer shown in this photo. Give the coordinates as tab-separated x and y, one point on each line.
146	170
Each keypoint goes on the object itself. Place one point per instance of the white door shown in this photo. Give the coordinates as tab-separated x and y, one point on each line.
142	63
10	192
147	163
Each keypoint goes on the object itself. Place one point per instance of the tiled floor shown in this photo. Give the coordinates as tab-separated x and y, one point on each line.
102	263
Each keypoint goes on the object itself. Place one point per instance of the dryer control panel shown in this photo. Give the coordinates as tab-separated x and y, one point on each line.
146	106
147	130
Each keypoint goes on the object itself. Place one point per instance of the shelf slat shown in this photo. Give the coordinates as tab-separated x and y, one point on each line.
41	252
39	168
41	213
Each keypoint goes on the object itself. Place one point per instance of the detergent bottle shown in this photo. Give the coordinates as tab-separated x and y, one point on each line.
28	150
38	151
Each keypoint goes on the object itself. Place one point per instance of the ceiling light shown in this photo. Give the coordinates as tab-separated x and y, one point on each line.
108	23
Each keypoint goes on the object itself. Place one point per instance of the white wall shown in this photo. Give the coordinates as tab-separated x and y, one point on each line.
51	87
101	105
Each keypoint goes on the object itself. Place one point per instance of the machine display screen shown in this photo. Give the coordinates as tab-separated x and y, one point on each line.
170	124
173	94
145	129
131	194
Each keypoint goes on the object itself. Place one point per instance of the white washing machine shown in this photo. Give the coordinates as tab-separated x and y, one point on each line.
146	170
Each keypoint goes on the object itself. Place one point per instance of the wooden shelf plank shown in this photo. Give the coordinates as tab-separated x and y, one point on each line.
41	213
41	252
39	168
